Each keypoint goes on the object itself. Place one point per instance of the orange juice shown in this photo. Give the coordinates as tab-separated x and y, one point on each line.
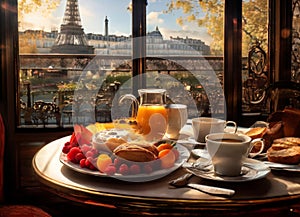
152	121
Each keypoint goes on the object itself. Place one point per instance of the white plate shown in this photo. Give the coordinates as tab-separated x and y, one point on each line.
142	177
283	167
251	170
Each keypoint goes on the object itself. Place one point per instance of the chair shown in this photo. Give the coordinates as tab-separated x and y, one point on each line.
13	210
283	94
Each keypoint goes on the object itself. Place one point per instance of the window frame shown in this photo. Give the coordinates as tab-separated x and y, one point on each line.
280	18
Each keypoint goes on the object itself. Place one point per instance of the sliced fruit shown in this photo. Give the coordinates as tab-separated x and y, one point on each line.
83	135
92	128
77	128
167	158
176	153
164	146
103	161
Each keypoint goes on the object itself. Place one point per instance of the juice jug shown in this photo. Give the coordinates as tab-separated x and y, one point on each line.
149	112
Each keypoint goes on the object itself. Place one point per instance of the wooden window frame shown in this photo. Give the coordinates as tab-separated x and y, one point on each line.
9	62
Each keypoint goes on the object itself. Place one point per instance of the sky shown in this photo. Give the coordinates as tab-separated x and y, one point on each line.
93	13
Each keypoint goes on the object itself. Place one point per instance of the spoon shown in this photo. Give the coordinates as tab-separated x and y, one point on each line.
182	181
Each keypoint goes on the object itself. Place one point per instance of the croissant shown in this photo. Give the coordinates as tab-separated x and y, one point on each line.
136	152
285	150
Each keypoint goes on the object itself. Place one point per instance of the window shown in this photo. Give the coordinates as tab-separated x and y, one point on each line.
22	138
50	75
33	40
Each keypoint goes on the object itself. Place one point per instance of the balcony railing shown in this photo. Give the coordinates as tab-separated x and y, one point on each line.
48	83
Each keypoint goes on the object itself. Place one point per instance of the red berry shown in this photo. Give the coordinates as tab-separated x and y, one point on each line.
92	167
123	169
85	148
118	162
72	153
147	168
110	170
82	163
135	169
66	149
89	154
79	156
88	163
94	151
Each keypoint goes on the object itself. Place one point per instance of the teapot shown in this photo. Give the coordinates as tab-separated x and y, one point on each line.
149	112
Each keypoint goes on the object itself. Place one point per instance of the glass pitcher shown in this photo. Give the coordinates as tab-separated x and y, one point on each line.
149	112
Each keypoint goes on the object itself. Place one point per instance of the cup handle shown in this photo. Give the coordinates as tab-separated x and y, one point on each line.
252	155
233	123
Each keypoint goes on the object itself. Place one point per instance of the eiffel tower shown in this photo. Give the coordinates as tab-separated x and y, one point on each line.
71	39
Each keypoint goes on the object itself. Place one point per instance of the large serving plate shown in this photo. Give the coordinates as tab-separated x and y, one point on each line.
251	170
142	177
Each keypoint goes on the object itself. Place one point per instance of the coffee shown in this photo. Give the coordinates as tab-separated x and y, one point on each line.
228	140
227	151
203	126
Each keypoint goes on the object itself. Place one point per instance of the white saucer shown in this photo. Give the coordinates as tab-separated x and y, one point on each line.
251	170
193	141
200	153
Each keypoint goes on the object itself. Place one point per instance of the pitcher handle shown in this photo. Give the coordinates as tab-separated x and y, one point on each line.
134	105
234	125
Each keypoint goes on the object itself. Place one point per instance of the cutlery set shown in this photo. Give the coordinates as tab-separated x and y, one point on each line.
182	181
202	165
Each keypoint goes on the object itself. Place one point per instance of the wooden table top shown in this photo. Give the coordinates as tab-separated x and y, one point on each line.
277	189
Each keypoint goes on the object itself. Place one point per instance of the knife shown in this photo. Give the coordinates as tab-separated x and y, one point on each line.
211	189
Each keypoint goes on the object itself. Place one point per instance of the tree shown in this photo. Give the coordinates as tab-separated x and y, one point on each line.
29	39
28	6
254	20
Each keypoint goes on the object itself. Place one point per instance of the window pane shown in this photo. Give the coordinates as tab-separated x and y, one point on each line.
296	41
254	52
188	35
68	47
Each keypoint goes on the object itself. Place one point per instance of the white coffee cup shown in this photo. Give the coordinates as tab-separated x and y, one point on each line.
177	118
228	150
203	126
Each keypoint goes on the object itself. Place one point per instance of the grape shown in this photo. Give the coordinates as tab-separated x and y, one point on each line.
135	169
123	169
110	170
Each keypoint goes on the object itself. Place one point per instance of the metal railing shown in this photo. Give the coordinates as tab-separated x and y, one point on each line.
48	82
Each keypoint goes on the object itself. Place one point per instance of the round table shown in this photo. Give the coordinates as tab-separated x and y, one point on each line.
276	192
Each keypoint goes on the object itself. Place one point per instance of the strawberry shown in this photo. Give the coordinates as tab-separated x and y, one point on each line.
72	153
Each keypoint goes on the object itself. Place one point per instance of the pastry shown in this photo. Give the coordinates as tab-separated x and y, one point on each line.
274	131
285	150
136	152
113	143
256	132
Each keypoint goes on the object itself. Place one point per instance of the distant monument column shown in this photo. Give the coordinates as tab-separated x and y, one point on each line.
71	39
106	28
